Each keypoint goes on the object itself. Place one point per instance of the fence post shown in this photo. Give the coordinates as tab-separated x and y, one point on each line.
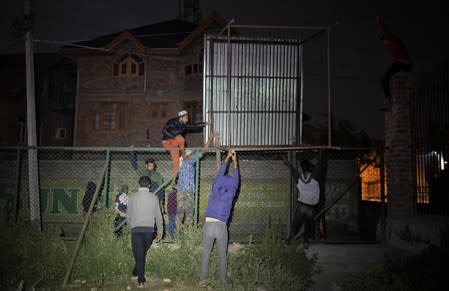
17	186
106	178
197	179
289	197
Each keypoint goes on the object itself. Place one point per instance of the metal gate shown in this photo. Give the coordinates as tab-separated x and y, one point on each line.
430	140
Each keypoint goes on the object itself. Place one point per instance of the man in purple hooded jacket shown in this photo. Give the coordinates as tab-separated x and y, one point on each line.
217	214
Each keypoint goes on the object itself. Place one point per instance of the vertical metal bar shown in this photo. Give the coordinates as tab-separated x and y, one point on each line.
238	94
17	186
229	85
196	198
207	101
106	178
290	197
329	121
33	167
301	94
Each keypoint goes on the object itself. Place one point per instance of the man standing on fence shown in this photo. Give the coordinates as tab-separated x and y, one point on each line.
217	215
142	213
400	60
308	197
186	185
173	136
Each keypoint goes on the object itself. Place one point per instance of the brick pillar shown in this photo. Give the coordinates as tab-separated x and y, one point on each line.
398	154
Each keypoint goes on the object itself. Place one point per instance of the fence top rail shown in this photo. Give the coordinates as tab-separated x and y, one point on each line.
161	149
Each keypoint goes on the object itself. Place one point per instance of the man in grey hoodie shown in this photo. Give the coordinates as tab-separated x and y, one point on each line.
142	213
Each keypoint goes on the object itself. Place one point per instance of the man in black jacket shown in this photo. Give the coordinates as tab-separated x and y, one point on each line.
173	136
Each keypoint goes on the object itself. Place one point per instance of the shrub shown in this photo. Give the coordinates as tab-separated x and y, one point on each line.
102	254
31	255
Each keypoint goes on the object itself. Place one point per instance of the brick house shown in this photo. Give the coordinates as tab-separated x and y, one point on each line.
131	82
54	94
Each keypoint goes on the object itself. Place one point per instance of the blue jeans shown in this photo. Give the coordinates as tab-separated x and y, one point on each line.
172	225
215	231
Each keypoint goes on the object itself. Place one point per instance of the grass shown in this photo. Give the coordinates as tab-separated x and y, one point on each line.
41	259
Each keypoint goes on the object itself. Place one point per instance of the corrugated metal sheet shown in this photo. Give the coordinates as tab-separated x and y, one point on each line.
261	106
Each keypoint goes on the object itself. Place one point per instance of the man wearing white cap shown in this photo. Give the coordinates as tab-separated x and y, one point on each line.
173	136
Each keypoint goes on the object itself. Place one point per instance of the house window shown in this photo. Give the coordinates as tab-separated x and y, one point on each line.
158	111
110	116
128	66
61	133
188	69
196	67
195	110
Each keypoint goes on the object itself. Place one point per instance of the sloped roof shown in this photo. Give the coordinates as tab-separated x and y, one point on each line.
158	35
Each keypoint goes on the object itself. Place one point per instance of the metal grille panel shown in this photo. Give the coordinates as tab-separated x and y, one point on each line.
430	134
251	89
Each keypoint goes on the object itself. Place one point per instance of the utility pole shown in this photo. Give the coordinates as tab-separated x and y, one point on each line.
33	173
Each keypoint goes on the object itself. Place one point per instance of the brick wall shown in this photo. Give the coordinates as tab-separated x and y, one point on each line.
164	82
398	152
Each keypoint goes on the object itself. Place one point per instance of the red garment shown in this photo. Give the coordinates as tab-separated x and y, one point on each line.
172	144
398	51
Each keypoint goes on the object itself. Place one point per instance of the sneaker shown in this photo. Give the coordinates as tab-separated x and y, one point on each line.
141	285
288	241
134	277
203	283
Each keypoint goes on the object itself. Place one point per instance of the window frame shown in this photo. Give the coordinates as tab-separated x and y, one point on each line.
118	111
123	67
58	132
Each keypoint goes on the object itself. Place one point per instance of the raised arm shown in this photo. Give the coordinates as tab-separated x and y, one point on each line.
208	142
231	156
316	162
196	126
296	173
133	158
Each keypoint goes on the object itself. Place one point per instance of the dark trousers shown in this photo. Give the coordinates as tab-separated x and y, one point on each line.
395	68
303	216
140	243
119	223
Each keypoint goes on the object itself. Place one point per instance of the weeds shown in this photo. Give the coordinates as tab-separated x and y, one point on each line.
30	255
43	258
102	254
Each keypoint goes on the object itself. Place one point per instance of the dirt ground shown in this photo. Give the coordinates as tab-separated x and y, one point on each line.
153	283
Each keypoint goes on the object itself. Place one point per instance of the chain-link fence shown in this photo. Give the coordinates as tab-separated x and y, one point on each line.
267	193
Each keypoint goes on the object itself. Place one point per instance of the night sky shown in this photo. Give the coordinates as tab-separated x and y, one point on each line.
359	58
